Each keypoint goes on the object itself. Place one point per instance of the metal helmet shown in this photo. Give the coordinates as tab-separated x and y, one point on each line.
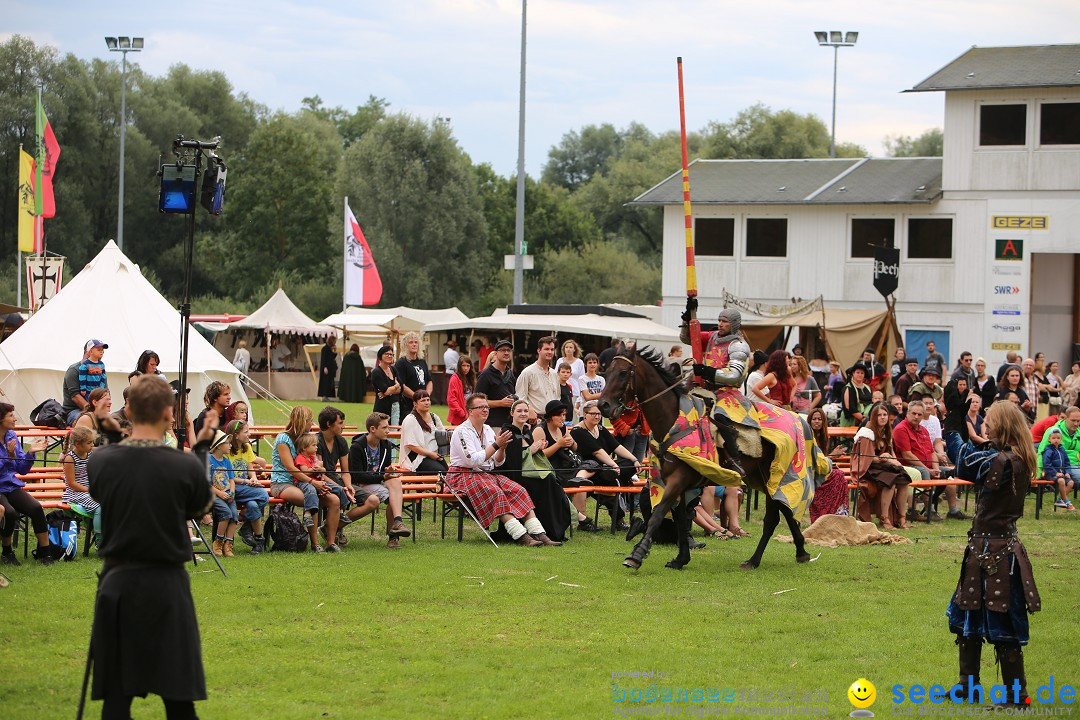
734	318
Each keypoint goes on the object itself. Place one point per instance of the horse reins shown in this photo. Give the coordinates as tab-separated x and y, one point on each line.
630	385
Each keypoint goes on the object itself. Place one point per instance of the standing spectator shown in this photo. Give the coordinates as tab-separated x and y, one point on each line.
13	498
591	384
617	346
1013	383
538	383
876	374
498	384
1012	359
328	367
242	357
963	367
483	350
934	359
856	398
148	362
756	366
819	366
278	352
984	383
805	395
797	351
462	385
1051	388
672	363
567	394
834	384
776	383
218	397
1040	363
896	367
450	357
352	387
1070	387
412	370
571	355
1031	384
475	450
374	483
387	385
419	449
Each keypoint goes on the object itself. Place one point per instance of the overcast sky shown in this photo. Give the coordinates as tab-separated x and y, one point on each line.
589	61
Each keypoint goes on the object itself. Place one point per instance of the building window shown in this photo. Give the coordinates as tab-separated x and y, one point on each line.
929	239
1059	124
766	237
714	237
870	233
1003	125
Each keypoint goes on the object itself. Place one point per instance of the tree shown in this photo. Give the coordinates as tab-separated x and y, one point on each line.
415	195
581	156
351	126
930	144
599	272
760	132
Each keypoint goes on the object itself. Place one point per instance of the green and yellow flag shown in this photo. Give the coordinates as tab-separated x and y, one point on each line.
27	201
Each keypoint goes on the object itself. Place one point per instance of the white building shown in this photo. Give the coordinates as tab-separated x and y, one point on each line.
989	235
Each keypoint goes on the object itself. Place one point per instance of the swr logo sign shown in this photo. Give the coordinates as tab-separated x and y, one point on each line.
1006	290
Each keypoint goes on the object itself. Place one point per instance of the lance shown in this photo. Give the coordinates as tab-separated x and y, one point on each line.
691	269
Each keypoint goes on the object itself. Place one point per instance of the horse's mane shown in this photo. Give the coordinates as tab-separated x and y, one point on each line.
657	359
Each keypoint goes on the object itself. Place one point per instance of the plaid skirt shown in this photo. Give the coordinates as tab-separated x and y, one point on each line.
491	496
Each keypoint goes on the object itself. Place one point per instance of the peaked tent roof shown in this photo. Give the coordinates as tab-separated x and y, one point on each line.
279	315
111	301
984	68
820	181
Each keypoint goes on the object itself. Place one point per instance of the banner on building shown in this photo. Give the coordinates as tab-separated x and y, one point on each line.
800	307
886	270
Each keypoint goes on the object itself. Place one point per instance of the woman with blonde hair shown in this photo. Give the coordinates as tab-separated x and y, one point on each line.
996	590
298	488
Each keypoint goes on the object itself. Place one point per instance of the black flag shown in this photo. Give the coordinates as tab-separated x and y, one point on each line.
886	270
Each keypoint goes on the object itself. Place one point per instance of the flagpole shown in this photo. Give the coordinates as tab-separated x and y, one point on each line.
345	255
688	220
18	277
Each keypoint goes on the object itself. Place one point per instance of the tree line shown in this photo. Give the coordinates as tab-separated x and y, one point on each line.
438	223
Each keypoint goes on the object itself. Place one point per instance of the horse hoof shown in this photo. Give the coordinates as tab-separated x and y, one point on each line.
675	565
804	558
748	565
631	563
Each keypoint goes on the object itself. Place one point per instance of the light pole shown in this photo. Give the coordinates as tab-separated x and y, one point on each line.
836	40
519	214
122	45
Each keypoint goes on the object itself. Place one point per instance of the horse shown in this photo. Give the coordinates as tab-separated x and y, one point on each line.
639	378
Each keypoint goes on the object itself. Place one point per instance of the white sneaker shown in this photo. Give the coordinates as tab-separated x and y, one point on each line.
1062	503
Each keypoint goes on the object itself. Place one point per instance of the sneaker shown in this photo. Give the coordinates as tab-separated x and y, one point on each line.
332	548
341	538
257	548
933	517
1069	506
344	519
393	544
957	514
247	535
398	529
1062	503
309	522
44	555
318	549
10	558
587	525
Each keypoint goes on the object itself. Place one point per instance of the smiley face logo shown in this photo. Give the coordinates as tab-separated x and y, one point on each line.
862	693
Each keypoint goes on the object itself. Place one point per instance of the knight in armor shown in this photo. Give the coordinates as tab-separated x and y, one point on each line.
726	357
997	587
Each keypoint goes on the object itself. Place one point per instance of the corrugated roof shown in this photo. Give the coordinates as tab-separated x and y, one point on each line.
1008	67
803	182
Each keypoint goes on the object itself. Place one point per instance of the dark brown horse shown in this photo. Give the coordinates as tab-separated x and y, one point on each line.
640	378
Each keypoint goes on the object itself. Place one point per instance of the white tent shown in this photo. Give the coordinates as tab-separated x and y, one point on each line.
278	315
111	301
377	323
639	329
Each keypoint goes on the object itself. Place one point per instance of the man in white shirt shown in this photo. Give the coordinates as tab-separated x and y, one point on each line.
450	357
538	384
278	353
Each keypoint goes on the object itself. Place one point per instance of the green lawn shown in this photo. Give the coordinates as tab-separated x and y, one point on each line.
442	629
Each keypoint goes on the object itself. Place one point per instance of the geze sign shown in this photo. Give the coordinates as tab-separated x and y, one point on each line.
886	270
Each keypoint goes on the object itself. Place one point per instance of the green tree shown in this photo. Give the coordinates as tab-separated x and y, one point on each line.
598	272
929	144
351	126
761	132
415	195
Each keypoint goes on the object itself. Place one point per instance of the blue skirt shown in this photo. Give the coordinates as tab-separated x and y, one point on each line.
994	627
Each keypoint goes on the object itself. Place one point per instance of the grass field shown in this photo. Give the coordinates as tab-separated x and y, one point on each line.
448	630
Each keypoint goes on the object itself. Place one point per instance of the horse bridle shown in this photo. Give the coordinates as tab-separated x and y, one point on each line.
629	387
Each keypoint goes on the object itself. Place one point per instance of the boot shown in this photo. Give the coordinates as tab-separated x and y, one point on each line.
970	650
543	539
731	448
227	548
257	548
217	548
528	541
1011	659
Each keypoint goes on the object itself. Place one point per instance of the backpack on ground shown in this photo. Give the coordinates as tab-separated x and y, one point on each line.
63	534
49	414
285	530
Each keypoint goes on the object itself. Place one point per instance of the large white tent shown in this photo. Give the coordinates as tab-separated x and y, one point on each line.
111	301
374	324
641	329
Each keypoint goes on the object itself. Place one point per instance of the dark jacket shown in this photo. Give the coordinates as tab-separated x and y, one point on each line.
360	469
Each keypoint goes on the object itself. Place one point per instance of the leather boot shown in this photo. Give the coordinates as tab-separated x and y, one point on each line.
227	547
528	541
217	548
543	539
731	448
1011	659
970	650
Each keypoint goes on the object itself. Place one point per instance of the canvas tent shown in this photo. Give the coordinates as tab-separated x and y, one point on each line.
111	301
640	329
373	325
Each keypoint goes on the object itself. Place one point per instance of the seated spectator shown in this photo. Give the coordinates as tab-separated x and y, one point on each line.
1013	383
419	449
776	384
877	397
726	515
218	396
291	484
77	490
561	451
916	450
805	395
1056	468
97	416
1070	440
461	386
372	479
896	367
1038	430
475	451
897	409
237	411
147	364
984	383
1070	387
92	374
605	461
831	497
73	401
883	489
13	497
974	420
856	398
250	494
333	452
905	382
929	385
223	485
331	496
549	500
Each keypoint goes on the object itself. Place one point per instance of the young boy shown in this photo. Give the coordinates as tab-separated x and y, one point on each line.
223	484
567	395
1056	467
92	370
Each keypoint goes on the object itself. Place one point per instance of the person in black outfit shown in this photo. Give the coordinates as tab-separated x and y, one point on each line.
328	369
561	452
412	370
145	636
551	507
499	382
605	460
617	346
385	383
